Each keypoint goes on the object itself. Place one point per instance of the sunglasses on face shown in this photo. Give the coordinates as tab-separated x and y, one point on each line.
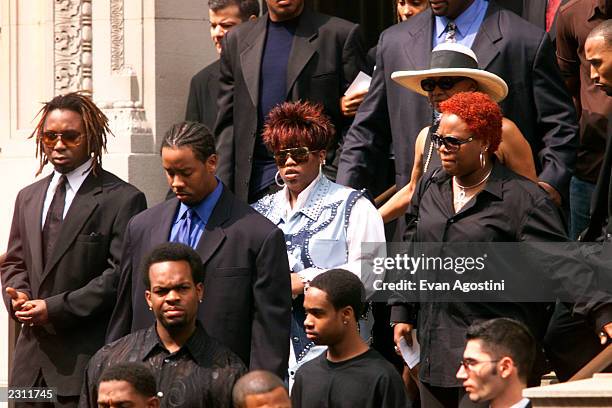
451	143
298	154
70	138
444	83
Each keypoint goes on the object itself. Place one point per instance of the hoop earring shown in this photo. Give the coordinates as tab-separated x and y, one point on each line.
483	161
278	183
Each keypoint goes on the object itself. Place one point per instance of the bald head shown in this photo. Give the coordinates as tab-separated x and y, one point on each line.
603	30
259	389
598	51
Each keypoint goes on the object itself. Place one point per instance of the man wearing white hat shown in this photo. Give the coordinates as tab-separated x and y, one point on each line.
505	45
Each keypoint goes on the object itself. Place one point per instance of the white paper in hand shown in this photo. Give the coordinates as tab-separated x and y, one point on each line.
411	355
361	83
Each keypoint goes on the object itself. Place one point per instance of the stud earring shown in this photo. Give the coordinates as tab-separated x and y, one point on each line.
150	308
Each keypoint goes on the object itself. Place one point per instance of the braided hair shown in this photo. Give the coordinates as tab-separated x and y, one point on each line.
95	126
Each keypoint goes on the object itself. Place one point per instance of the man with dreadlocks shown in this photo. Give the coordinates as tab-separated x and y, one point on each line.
59	278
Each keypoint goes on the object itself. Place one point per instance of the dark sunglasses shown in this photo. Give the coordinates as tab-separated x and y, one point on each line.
70	138
445	83
298	154
451	143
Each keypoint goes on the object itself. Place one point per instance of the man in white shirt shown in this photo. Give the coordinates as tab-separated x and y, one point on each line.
496	362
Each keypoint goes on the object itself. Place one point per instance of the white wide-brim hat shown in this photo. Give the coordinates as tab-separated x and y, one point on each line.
452	59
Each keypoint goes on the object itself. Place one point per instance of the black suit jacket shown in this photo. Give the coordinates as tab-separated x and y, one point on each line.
247	289
203	92
326	56
506	45
78	282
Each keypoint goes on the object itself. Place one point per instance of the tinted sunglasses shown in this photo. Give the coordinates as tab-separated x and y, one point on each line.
298	154
451	143
70	138
445	83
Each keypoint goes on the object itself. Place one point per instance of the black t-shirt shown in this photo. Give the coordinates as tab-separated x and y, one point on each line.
367	380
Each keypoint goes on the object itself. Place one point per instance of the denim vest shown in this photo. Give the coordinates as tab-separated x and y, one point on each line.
315	236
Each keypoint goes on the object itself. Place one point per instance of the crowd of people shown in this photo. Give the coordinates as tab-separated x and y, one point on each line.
246	287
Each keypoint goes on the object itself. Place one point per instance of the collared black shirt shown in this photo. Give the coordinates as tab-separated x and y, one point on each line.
201	374
510	208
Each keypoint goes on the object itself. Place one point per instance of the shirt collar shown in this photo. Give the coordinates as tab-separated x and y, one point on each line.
76	177
196	346
521	404
494	185
205	207
463	21
303	199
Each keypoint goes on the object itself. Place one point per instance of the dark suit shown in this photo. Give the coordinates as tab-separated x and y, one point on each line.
203	92
78	282
327	54
247	290
506	45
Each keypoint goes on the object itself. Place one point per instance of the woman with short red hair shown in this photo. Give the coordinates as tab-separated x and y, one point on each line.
324	223
470	198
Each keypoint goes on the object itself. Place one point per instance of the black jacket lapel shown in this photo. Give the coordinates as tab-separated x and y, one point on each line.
250	58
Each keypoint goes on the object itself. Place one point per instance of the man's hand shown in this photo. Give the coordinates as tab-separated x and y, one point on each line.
554	194
17	298
350	103
605	333
402	330
297	285
33	312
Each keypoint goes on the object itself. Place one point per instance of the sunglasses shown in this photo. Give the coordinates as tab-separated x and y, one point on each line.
451	143
469	363
298	154
445	83
70	138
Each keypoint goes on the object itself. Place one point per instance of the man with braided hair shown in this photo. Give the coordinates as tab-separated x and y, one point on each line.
59	278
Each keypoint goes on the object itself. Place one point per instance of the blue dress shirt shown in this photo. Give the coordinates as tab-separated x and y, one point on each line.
204	209
467	23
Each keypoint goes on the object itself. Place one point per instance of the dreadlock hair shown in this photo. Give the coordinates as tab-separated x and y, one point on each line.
95	126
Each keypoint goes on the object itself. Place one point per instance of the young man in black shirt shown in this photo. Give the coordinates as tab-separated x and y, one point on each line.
191	368
349	374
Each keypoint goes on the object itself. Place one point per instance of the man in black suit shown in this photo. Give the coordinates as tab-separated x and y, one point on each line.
290	54
204	87
506	45
59	275
247	302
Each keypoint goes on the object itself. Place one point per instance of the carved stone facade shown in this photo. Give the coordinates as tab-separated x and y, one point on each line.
73	38
117	32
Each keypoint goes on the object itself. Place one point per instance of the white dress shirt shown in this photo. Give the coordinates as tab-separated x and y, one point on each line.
74	180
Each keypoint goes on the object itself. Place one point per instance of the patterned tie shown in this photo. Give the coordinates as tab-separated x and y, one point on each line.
451	32
55	216
551	12
187	233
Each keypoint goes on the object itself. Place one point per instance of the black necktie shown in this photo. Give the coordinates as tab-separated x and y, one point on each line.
55	216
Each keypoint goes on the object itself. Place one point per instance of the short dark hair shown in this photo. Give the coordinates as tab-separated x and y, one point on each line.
173	251
343	289
137	374
604	29
193	135
506	337
95	126
253	383
297	124
247	8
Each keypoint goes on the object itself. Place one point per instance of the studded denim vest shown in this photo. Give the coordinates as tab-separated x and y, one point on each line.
315	237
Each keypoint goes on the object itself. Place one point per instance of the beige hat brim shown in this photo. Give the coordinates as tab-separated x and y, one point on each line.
488	82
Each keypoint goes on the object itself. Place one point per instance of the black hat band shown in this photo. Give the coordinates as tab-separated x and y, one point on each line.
451	59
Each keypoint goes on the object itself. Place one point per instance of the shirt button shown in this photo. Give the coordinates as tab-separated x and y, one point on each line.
288	243
451	221
166	360
160	394
296	339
